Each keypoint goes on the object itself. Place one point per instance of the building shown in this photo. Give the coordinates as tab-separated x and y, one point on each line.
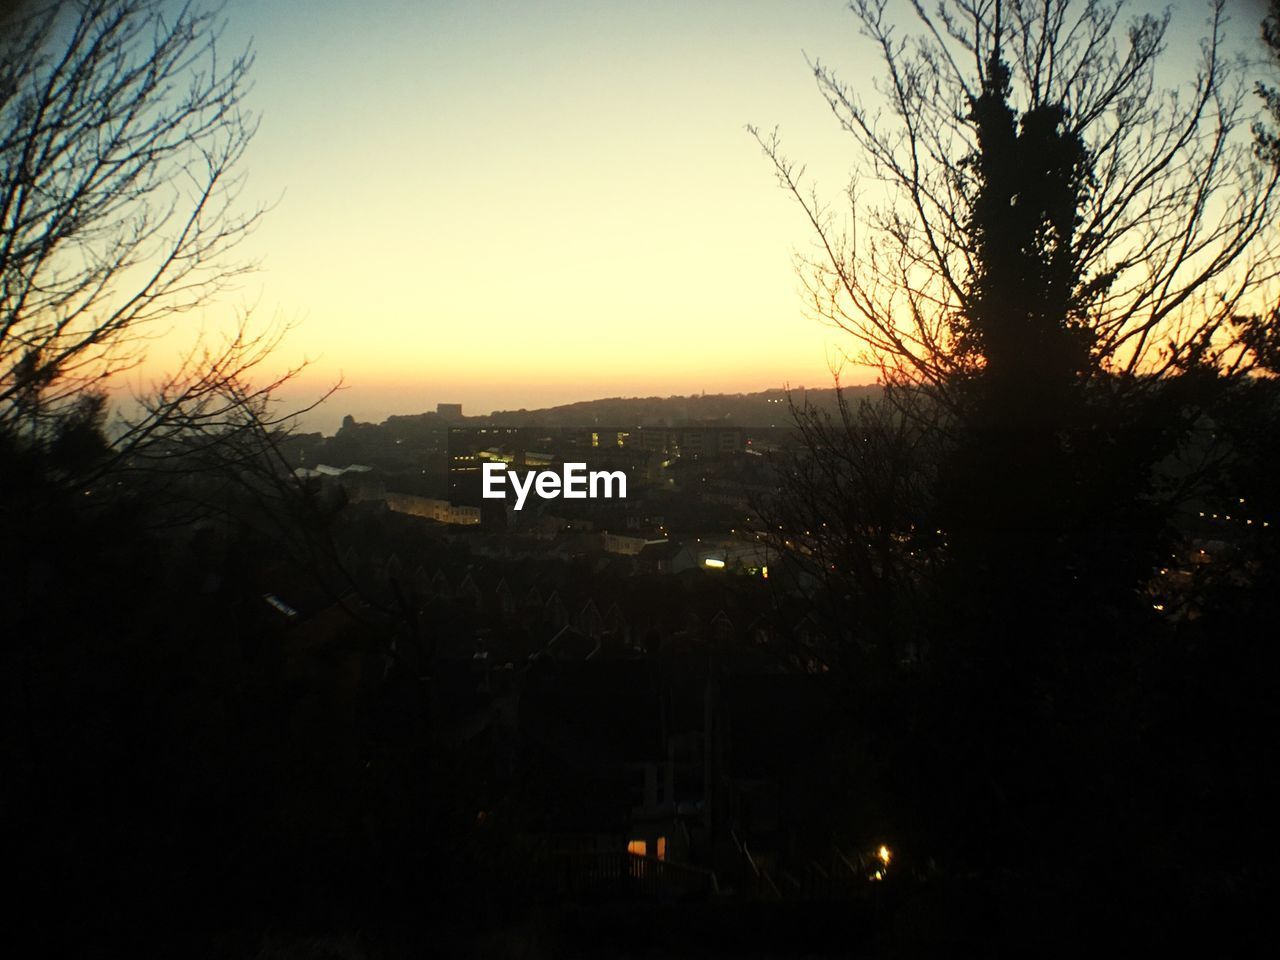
627	546
693	441
442	511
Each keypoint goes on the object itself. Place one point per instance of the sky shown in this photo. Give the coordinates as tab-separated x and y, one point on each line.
519	204
516	204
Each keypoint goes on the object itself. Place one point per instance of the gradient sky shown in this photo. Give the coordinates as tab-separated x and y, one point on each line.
517	204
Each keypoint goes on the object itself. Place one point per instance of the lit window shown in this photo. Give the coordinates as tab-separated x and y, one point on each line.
638	847
662	848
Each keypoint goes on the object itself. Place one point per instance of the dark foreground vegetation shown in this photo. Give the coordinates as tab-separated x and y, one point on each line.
1007	688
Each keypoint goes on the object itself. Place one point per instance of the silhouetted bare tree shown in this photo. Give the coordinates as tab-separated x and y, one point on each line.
1259	333
1054	261
1158	232
1051	250
1268	131
122	128
122	135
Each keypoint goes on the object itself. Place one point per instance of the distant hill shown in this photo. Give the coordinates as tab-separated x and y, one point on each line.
402	441
763	409
766	408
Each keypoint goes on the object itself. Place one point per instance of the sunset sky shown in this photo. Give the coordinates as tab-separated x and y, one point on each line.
517	204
